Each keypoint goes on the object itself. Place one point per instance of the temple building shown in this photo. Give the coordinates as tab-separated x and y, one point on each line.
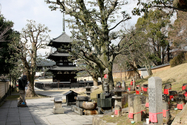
63	71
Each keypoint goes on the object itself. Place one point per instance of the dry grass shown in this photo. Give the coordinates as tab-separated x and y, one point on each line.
121	120
174	75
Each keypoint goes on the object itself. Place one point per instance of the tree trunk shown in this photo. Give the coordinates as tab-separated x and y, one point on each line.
149	71
133	84
95	81
30	91
110	77
135	69
31	74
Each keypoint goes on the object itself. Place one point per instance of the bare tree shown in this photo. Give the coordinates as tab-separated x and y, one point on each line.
33	37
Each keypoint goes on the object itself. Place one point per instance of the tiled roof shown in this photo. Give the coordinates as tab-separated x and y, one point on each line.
58	68
63	38
60	54
155	67
45	63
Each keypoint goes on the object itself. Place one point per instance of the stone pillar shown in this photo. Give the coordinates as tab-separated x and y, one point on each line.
155	100
124	100
147	102
165	111
131	106
117	111
135	107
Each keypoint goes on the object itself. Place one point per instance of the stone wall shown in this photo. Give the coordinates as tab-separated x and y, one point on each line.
123	75
4	86
160	69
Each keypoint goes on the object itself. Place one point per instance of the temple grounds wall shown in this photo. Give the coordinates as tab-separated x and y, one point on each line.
4	86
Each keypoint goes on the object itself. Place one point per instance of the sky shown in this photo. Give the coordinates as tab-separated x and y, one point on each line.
19	11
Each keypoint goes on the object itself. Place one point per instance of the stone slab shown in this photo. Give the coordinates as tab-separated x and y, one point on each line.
155	98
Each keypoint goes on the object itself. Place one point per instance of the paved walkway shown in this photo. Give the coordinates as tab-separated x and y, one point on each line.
39	112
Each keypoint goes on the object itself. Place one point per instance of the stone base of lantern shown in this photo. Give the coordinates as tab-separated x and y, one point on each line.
77	110
57	109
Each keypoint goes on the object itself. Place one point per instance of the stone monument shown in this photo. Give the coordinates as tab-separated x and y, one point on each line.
155	100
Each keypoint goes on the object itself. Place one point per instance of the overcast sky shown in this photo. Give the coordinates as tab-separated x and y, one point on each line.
19	11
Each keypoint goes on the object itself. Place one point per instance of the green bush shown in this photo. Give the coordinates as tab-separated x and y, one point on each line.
179	59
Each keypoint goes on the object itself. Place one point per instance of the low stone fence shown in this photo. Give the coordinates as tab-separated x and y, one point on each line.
46	86
4	89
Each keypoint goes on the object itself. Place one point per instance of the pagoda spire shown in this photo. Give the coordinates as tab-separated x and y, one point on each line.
63	22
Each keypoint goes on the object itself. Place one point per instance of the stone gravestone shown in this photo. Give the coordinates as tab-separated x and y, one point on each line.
135	107
155	100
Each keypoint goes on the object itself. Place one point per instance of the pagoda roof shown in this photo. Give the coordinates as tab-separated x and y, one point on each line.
44	62
63	38
58	68
59	54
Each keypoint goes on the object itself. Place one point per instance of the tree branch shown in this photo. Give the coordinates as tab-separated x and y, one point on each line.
119	23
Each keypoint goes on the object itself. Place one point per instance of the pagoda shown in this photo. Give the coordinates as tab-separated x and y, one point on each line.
64	71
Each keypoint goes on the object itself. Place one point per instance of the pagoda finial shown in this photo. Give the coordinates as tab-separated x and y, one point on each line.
63	21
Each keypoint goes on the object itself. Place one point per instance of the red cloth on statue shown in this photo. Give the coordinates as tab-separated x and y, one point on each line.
131	83
185	94
164	112
153	117
116	112
137	92
106	76
145	89
129	88
131	115
171	97
180	106
146	104
166	91
184	87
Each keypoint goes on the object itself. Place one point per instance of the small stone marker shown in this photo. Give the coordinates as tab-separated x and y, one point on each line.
135	107
57	109
155	100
